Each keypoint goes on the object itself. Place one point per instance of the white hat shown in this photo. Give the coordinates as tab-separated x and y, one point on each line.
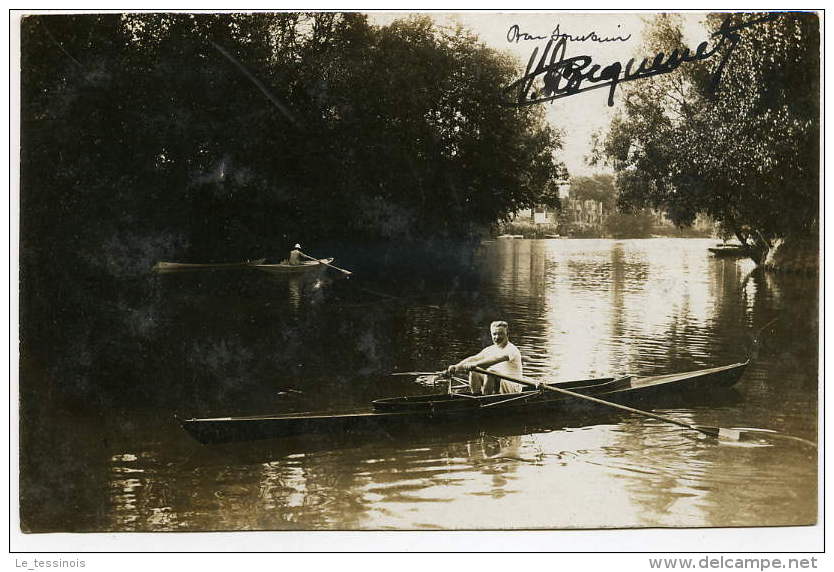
297	246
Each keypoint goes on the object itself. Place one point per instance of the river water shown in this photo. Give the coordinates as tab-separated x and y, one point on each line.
245	342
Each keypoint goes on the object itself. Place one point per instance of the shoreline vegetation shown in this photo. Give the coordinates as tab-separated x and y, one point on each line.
797	256
746	155
536	230
792	256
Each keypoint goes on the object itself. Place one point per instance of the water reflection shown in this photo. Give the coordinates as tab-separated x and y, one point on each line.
627	472
599	306
577	308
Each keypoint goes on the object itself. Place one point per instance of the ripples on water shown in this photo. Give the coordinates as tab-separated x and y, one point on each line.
577	308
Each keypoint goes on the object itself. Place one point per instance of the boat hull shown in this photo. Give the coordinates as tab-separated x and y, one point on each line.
294	268
183	266
442	408
728	251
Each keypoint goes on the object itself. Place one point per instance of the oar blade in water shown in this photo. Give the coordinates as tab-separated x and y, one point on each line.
729	434
722	433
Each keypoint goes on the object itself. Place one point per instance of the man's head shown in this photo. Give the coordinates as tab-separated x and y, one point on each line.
499	331
297	246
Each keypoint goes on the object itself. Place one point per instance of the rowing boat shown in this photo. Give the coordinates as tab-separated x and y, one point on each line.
738	250
175	266
389	414
294	268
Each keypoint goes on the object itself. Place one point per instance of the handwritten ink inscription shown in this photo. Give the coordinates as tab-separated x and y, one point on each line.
562	76
515	35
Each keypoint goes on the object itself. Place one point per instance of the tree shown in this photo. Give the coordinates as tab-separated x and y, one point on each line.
597	188
207	134
629	225
747	154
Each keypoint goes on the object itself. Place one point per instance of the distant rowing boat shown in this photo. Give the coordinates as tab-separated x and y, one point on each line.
728	250
284	268
510	236
176	266
389	414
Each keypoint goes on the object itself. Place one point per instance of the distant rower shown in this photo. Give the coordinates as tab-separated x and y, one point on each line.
295	255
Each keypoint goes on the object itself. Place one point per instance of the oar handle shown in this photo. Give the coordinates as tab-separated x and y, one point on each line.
320	261
589	398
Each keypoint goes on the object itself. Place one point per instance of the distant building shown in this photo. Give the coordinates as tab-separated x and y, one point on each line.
587	217
586	214
539	214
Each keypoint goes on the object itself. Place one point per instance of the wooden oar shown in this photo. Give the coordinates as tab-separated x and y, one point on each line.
719	432
348	273
342	270
417	373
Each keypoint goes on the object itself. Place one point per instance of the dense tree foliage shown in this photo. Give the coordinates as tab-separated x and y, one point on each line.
222	136
746	154
598	187
630	225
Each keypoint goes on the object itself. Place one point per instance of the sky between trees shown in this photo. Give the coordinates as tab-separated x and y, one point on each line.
581	115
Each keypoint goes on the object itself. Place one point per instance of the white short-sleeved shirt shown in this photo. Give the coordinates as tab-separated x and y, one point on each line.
511	366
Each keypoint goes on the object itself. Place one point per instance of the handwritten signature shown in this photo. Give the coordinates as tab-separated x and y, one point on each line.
563	77
514	34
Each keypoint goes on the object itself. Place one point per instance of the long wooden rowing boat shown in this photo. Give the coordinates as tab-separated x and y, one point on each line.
175	266
737	250
388	414
285	268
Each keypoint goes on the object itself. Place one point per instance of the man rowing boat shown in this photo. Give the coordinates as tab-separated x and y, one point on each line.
295	255
502	357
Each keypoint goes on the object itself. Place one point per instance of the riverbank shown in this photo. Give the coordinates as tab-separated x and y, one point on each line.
794	256
536	230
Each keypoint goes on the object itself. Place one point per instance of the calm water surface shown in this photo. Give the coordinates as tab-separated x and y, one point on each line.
234	342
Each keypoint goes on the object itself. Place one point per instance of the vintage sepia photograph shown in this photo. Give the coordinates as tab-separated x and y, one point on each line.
451	271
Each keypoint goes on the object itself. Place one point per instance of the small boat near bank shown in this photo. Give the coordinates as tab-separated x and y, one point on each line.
728	250
180	266
389	414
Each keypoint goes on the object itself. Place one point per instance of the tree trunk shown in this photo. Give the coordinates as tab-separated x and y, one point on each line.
794	254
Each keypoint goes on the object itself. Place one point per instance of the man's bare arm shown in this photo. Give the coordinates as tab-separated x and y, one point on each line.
477	361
